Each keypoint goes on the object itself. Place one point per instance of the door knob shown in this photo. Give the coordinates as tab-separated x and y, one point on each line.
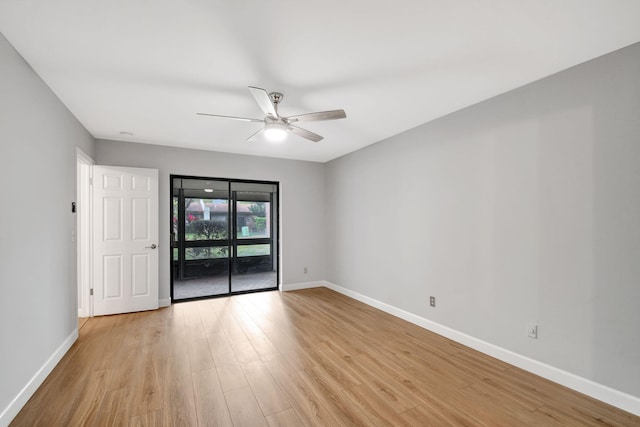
153	246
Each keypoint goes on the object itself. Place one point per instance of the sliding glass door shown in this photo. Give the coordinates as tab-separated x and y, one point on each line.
254	263
224	237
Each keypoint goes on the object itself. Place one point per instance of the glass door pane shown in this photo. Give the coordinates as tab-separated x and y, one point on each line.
202	246
254	264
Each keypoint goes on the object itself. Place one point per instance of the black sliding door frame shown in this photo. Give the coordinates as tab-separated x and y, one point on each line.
231	242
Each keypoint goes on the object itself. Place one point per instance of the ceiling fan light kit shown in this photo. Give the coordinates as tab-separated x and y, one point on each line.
275	132
275	126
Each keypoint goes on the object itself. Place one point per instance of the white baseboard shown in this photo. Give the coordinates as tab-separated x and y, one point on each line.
166	302
298	286
598	391
9	413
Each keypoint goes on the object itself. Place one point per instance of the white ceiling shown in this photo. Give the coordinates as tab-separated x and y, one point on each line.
147	66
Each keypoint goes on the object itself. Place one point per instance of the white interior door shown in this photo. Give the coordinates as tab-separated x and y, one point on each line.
125	238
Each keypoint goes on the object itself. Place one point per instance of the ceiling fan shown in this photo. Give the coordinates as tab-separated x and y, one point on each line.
276	126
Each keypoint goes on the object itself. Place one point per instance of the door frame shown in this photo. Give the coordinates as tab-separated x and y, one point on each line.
231	213
84	174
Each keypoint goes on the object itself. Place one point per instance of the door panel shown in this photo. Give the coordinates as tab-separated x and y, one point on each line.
112	219
112	276
140	223
140	273
253	247
125	239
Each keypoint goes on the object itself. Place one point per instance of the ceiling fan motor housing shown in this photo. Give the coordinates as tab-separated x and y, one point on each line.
276	97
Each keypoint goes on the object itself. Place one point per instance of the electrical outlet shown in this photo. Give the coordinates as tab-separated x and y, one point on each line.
532	330
432	301
305	270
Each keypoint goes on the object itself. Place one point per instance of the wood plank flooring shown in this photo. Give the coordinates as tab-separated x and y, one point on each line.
305	358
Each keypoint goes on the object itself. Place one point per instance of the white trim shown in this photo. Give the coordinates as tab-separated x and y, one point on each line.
83	232
84	156
598	391
297	286
25	394
165	302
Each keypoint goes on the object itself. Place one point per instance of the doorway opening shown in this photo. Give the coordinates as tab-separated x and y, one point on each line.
224	237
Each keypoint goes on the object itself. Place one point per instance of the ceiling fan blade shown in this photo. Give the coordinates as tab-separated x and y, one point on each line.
244	119
254	137
304	133
263	100
322	115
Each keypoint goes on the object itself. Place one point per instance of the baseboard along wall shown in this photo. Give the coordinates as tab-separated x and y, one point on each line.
9	413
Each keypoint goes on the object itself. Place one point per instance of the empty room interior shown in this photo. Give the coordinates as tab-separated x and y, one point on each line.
341	213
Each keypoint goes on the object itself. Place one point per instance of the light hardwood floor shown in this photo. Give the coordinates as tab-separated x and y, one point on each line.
311	357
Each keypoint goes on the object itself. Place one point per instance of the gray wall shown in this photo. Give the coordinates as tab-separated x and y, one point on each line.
523	208
301	198
38	139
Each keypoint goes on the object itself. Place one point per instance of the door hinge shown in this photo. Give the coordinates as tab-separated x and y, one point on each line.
90	292
91	181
